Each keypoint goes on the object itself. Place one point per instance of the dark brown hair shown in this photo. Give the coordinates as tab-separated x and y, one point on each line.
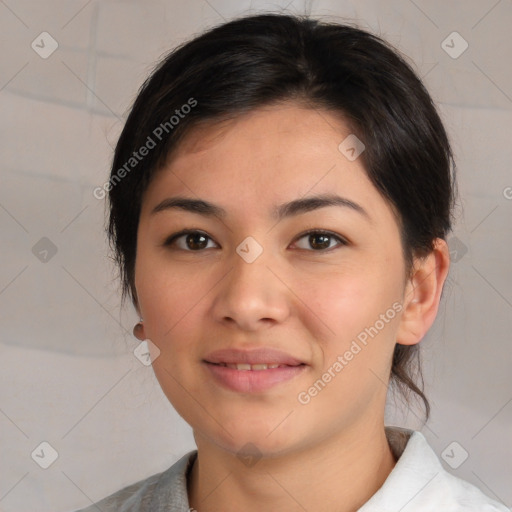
255	61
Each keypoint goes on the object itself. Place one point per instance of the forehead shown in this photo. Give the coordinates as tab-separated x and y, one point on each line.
263	130
269	155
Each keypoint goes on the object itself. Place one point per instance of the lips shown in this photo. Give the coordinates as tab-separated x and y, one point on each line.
252	371
257	359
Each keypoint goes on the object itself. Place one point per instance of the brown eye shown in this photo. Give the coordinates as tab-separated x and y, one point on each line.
191	241
321	240
196	241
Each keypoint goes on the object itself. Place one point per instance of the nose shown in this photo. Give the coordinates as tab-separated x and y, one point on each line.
252	296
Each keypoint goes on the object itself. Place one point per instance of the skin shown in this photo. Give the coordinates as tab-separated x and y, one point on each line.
310	303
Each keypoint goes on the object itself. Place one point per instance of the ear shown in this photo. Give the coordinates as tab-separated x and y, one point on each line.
422	294
138	332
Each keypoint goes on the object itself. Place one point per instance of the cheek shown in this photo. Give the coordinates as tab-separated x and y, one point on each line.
350	300
173	300
362	312
167	293
356	316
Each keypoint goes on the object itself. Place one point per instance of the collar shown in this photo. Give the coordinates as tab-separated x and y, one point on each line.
417	483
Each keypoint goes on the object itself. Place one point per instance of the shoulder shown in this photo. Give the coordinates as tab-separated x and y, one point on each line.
135	497
151	494
466	496
419	482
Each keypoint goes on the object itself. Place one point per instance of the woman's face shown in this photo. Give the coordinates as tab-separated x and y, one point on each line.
250	280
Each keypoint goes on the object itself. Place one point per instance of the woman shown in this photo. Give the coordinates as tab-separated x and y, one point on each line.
280	198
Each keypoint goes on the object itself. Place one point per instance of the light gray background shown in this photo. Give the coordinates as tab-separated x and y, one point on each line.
68	374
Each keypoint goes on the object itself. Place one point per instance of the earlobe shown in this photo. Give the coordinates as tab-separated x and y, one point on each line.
138	331
422	294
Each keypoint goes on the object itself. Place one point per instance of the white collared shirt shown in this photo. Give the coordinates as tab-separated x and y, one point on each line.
417	483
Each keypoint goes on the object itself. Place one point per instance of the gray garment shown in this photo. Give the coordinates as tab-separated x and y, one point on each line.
417	483
162	492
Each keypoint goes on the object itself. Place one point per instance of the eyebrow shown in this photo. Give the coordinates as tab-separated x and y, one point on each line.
295	207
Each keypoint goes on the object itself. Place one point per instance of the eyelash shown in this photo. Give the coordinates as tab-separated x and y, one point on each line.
342	241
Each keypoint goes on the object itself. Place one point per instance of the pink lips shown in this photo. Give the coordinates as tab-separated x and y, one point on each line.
256	356
252	380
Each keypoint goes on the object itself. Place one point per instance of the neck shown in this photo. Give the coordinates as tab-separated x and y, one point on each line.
338	475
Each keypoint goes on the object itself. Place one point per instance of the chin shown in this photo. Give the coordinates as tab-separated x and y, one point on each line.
255	437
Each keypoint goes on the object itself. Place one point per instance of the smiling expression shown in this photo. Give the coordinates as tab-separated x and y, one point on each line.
271	187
